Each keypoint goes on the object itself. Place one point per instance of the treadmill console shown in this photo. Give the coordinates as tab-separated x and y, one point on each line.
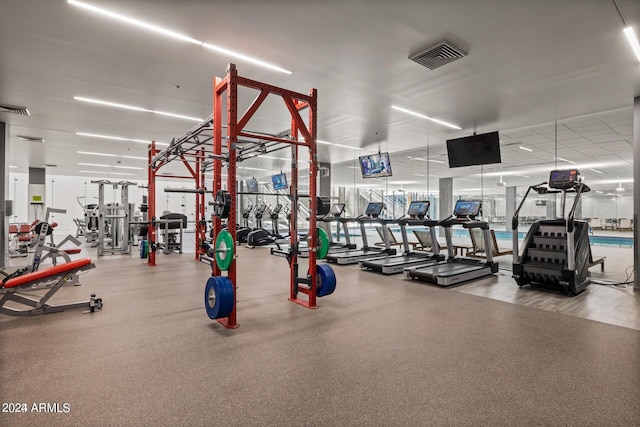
467	208
564	179
418	209
337	209
373	210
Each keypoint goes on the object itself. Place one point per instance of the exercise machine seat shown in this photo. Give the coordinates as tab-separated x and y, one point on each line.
49	272
72	251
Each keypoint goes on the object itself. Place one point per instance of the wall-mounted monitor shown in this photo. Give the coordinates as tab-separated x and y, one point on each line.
279	181
474	150
252	185
418	208
375	165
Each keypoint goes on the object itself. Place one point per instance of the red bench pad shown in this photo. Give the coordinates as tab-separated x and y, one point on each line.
72	251
42	274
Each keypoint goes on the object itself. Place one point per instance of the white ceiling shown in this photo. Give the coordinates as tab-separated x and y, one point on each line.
530	64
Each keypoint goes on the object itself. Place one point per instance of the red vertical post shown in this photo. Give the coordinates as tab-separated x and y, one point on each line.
151	213
232	139
313	174
293	220
217	150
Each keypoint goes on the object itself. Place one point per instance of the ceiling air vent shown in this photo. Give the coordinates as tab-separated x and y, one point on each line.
438	55
13	109
30	138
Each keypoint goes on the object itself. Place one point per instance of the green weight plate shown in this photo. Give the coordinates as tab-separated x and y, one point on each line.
323	243
224	250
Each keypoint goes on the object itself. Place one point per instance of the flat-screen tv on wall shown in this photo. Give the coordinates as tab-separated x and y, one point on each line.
375	165
474	150
279	181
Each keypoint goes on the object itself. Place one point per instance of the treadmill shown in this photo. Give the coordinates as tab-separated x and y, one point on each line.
417	215
454	269
335	215
371	215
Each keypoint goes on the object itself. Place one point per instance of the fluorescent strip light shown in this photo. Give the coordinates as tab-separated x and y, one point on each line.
251	169
338	145
94	165
522	176
525	148
110	173
565	160
13	167
135	22
128	167
175	35
111	155
426	160
422	116
595	170
244	57
633	41
419	174
598	191
118	138
134	108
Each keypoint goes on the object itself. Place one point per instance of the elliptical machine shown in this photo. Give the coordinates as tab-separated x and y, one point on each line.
555	252
243	232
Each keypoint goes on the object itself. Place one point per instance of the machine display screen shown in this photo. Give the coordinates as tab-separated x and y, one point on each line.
337	209
252	185
374	209
418	208
469	208
279	181
560	178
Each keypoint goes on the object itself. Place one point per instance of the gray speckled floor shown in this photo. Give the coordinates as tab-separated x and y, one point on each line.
379	351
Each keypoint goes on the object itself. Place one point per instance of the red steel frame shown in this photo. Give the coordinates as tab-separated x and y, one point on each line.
196	173
295	102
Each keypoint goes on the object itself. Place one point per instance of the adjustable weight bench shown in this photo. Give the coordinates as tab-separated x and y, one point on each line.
53	279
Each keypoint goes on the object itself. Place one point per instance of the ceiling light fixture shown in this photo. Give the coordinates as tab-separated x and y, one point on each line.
13	167
422	116
620	189
98	165
173	34
111	155
525	148
595	170
598	191
118	138
565	160
134	108
338	145
251	169
633	41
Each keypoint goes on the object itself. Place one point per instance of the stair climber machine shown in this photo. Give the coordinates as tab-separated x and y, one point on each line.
417	215
454	269
370	216
335	215
555	252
